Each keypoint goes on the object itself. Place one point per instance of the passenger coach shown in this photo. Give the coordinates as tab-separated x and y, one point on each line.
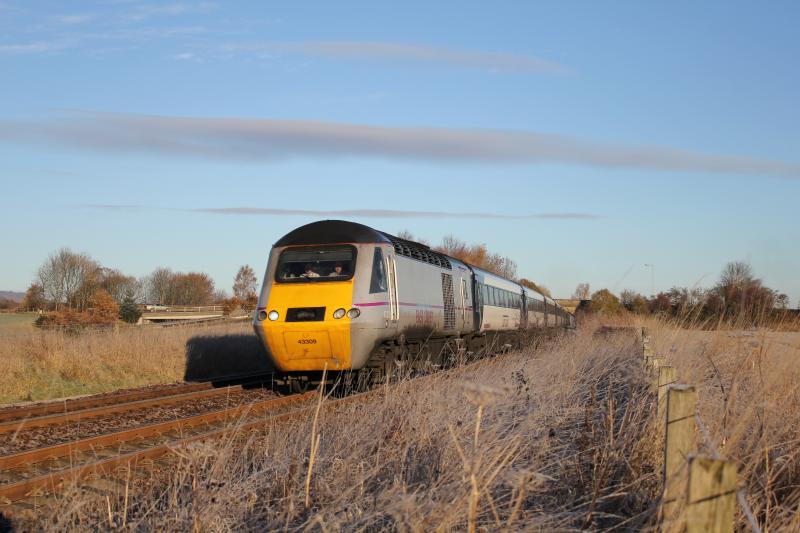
340	296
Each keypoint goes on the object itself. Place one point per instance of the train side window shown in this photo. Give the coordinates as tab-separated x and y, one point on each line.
378	281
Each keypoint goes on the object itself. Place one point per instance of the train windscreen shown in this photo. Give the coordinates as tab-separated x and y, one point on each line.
308	264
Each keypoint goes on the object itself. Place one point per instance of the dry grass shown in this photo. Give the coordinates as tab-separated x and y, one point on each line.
40	364
747	383
561	439
552	440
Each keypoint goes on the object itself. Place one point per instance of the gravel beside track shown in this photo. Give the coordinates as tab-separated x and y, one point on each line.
31	438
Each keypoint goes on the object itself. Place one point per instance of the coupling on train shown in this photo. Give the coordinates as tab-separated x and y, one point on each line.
342	296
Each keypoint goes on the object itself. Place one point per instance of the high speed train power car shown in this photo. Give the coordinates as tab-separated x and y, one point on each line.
341	296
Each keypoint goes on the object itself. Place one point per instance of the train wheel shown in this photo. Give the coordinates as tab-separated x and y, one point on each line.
299	386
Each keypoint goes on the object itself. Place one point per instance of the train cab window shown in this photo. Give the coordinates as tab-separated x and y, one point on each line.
378	281
312	264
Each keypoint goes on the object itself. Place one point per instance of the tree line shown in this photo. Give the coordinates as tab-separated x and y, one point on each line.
738	298
74	287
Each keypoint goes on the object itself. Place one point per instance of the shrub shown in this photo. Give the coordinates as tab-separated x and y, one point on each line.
229	305
603	301
104	309
67	318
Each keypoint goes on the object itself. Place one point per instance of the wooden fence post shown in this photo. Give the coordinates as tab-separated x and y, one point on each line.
711	500
680	439
667	375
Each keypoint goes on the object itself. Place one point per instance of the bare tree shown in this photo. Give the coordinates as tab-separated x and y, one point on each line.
408	236
508	268
67	277
405	235
245	283
117	284
159	286
736	274
582	292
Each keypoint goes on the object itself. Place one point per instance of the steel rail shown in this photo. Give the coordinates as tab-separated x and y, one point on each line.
51	481
57	451
74	416
76	404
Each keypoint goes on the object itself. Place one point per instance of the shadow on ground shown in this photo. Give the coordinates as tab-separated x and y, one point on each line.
211	357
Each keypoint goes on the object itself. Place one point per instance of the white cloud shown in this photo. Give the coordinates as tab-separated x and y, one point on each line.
403	52
70	20
40	47
366	213
267	140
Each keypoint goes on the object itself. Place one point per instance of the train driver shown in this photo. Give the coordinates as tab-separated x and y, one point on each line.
309	273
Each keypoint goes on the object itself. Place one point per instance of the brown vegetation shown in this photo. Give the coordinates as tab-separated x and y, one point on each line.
738	300
561	438
748	398
552	440
53	363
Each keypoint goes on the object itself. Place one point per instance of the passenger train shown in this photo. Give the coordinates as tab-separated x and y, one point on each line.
341	296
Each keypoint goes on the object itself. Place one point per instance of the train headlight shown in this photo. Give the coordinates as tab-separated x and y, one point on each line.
354	313
262	315
339	313
273	315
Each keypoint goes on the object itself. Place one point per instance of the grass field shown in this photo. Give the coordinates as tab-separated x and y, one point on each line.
42	364
16	322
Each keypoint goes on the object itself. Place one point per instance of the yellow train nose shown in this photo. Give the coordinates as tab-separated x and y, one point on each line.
306	336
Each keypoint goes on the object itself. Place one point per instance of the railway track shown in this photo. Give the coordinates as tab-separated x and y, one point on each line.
31	475
36	472
120	398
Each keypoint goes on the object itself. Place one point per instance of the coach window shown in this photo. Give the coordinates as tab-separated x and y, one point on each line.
378	281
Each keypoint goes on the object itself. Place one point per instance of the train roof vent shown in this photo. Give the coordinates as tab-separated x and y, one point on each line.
420	252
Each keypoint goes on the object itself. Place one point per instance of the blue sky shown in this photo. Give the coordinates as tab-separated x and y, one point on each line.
645	133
